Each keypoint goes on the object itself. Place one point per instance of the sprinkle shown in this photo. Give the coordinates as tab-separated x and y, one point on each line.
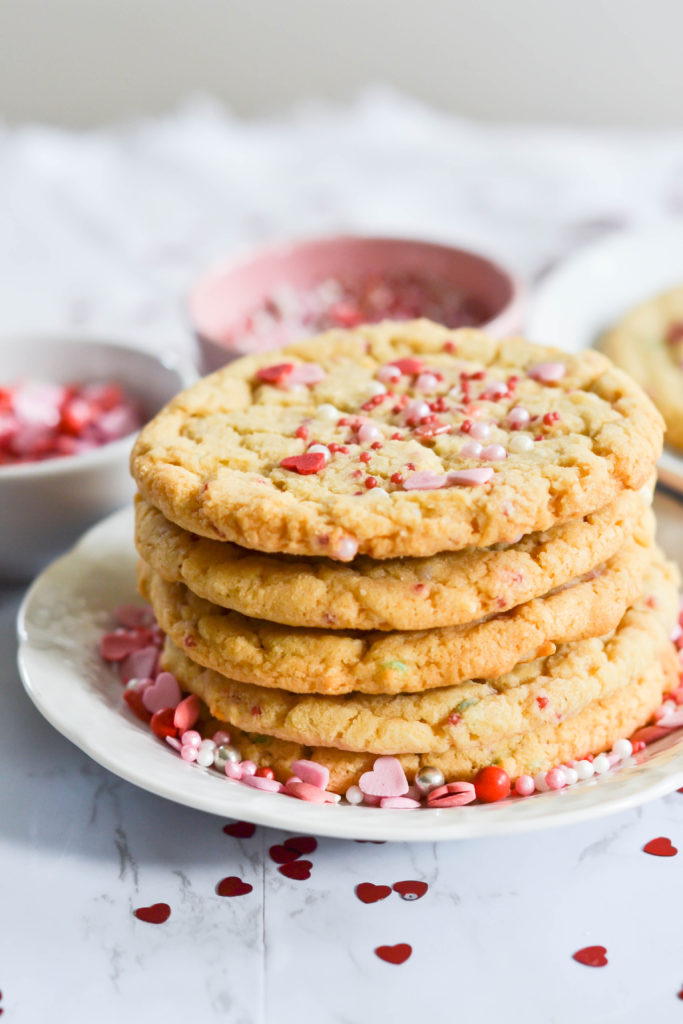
396	478
453	794
302	432
306	373
274	374
550	418
520	443
547	373
325	411
524	785
321	449
425	481
471	450
387	778
304	464
365	456
470	477
345	550
555	779
494	453
354	795
408	366
370	482
399	803
387	374
258	782
313	773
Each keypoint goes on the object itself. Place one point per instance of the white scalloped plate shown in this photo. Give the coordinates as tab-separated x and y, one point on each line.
590	290
59	624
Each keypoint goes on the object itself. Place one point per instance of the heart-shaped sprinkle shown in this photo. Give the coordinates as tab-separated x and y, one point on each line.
470	477
397	954
187	713
305	373
410	365
547	373
425	481
134	616
161	724
411	890
282	855
304	791
299	870
311	772
118	645
240	829
369	893
399	803
387	778
275	374
133	699
140	664
591	956
164	692
233	886
156	914
306	464
302	844
661	847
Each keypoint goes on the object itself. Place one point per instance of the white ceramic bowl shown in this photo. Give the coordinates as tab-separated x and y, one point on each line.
45	506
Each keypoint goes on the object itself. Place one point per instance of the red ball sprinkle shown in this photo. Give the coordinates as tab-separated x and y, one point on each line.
465	426
370	482
550	418
376	445
396	478
265	773
302	432
365	456
492	784
397	436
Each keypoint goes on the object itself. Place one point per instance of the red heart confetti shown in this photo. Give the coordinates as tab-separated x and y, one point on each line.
240	829
297	869
410	890
301	844
274	374
156	914
591	956
310	462
397	954
282	854
661	847
134	701
369	893
233	886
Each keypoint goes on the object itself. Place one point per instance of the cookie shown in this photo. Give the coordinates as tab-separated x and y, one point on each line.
323	661
648	344
396	439
443	590
467	716
593	729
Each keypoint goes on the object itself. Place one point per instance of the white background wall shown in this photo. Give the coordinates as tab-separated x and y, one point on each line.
81	62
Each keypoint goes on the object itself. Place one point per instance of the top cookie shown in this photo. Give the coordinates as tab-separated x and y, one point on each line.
648	344
396	439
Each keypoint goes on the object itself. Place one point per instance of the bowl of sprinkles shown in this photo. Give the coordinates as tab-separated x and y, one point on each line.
69	411
283	293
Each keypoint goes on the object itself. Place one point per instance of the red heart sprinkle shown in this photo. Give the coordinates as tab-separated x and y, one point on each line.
410	890
397	954
591	956
660	847
156	914
161	723
282	855
298	869
369	893
302	844
133	699
240	829
233	886
274	374
408	365
310	462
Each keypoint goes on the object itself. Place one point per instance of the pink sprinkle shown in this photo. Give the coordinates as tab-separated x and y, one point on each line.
403	803
221	737
416	411
118	645
387	778
164	692
133	616
494	453
312	772
187	713
345	549
387	374
547	373
480	431
555	778
470	477
369	432
304	791
190	738
518	418
248	767
453	794
173	742
470	450
140	664
306	373
258	782
188	753
671	720
524	785
426	382
233	771
425	481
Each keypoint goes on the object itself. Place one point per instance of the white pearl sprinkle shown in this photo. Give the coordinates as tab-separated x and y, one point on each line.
326	411
571	776
205	753
322	448
585	770
377	492
480	431
601	764
519	443
354	795
375	387
622	748
540	783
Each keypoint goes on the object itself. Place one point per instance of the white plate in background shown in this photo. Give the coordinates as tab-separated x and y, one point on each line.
60	622
590	290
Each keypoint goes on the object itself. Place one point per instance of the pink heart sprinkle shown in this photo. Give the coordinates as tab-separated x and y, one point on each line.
164	692
304	791
312	772
118	645
258	782
470	477
186	713
306	373
547	373
141	664
387	778
401	803
133	616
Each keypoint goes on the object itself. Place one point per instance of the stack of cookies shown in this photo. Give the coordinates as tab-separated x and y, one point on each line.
407	540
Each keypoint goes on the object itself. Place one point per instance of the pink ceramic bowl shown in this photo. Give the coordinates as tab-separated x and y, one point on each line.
222	299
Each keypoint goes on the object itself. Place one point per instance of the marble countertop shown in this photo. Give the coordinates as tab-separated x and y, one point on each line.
102	233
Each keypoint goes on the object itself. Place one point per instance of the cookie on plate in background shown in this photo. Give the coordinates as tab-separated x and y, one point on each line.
648	344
